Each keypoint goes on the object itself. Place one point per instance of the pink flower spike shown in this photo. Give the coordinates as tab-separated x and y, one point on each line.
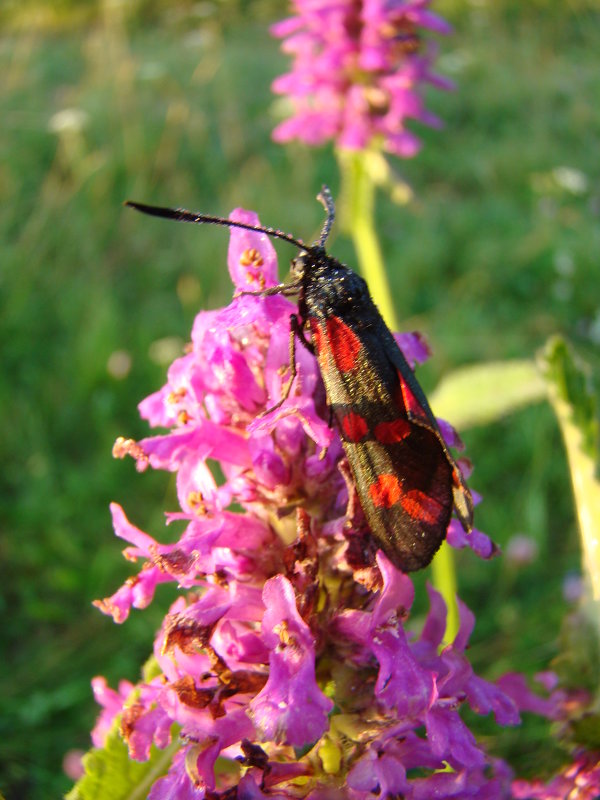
357	72
290	664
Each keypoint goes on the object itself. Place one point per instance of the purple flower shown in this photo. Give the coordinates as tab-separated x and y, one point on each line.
358	68
291	707
287	653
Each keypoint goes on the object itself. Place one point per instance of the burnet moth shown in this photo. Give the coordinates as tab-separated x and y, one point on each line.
407	481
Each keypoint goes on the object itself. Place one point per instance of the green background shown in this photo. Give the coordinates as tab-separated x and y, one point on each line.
170	103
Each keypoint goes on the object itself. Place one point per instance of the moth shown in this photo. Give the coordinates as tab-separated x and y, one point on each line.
407	481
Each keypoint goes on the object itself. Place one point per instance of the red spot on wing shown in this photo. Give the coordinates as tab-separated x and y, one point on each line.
419	506
345	344
394	431
354	427
410	402
386	491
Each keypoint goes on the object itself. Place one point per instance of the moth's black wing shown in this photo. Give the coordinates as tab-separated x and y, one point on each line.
406	479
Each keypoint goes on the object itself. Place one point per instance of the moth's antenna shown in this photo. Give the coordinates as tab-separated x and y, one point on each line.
326	199
181	215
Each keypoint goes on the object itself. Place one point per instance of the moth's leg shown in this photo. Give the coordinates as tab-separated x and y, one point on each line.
285	289
294	330
299	331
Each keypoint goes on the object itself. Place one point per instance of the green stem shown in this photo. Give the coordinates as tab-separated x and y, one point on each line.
359	207
444	580
360	224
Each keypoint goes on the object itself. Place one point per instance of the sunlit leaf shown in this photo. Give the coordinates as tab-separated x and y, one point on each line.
110	773
482	393
572	397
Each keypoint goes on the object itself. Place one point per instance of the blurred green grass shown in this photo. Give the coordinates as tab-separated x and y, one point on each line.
498	251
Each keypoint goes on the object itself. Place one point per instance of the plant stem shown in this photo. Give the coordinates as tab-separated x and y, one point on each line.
360	224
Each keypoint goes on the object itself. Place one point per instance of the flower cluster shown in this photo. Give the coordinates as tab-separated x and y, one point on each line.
289	656
357	72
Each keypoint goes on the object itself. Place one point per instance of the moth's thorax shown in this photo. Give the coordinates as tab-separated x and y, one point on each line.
328	286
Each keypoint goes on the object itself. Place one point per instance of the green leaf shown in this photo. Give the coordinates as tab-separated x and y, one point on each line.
110	773
482	393
570	379
572	397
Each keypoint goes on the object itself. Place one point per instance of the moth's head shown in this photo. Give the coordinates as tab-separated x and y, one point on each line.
299	265
306	261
